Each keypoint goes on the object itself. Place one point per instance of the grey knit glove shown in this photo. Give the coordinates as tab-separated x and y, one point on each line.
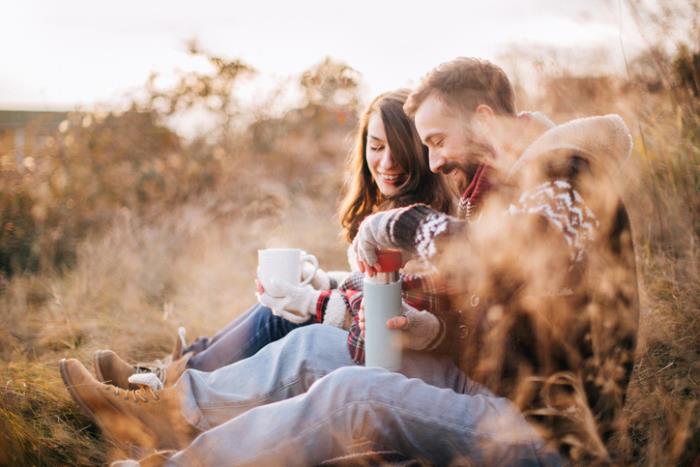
420	328
373	235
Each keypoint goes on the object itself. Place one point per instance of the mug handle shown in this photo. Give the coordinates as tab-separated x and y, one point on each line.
314	262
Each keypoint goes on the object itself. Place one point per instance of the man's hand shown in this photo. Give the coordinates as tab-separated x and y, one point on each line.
419	328
291	302
372	235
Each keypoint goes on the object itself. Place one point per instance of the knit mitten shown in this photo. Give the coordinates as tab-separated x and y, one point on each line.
374	235
321	279
295	303
421	328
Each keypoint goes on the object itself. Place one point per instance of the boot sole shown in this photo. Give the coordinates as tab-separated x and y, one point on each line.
70	387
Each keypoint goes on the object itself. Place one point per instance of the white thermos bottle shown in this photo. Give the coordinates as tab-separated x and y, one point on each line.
382	301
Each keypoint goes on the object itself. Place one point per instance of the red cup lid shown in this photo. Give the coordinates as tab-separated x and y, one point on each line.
389	260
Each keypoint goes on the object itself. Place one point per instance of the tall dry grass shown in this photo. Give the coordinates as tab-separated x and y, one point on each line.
661	188
663	398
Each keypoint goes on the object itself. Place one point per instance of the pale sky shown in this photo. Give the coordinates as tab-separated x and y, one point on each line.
59	55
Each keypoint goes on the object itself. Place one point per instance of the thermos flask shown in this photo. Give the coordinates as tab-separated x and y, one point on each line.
382	301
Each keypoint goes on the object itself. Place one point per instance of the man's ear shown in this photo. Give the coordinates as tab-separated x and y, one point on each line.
484	111
485	118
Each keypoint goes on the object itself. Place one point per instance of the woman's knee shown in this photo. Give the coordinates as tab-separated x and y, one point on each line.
263	315
313	338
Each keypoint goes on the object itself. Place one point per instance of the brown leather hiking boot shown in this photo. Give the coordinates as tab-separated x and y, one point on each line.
175	369
111	369
163	375
145	418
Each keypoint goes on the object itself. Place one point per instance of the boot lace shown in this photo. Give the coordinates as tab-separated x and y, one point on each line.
153	377
136	395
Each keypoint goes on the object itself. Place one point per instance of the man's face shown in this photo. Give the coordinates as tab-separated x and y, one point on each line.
445	133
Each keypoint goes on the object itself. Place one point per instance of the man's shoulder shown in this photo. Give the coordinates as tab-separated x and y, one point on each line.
598	143
595	134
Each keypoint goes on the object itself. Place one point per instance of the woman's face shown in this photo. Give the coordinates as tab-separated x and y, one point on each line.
387	174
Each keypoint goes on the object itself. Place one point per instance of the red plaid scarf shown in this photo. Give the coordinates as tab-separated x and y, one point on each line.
470	199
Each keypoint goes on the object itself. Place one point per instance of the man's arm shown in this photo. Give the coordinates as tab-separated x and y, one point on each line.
416	230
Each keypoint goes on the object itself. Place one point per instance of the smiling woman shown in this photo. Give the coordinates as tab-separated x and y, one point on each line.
389	165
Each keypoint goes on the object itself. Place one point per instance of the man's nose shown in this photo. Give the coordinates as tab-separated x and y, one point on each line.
436	161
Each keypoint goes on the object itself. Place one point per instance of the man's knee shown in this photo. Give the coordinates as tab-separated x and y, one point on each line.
350	384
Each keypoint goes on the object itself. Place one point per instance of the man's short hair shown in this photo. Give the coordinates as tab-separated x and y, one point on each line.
463	84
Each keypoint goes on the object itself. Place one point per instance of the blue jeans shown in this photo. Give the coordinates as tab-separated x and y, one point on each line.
300	401
241	338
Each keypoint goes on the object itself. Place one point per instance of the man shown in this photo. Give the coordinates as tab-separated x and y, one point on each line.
546	288
548	280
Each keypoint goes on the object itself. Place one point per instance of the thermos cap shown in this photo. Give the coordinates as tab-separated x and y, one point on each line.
389	260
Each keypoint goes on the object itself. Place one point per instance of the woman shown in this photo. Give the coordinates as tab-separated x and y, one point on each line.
389	169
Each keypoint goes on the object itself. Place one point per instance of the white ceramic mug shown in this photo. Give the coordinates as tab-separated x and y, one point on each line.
284	264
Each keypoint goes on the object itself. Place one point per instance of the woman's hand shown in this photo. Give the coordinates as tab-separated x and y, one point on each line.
321	280
361	319
292	302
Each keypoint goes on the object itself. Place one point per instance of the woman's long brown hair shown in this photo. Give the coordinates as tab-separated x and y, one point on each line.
362	195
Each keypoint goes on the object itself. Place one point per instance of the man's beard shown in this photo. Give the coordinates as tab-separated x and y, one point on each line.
461	174
477	152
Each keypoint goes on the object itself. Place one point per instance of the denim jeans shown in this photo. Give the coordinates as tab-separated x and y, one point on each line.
300	401
241	338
